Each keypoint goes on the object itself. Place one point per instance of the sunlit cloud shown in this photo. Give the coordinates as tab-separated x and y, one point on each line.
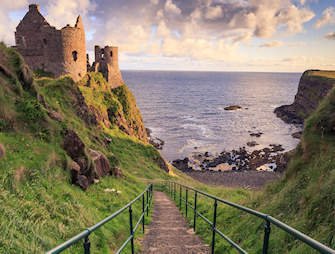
272	44
328	17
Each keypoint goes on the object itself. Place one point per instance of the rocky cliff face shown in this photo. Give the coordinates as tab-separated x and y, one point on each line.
84	122
314	85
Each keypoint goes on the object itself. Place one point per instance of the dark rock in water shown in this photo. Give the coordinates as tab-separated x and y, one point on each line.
233	107
276	148
154	141
312	89
256	134
297	135
181	164
252	143
267	158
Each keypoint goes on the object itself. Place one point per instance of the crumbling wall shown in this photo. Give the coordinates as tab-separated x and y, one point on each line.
106	62
46	48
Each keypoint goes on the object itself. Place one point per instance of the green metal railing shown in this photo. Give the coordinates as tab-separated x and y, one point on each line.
172	188
146	196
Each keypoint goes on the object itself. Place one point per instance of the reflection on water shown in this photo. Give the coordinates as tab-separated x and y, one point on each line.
186	109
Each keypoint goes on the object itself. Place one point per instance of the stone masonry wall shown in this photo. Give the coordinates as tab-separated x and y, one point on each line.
44	47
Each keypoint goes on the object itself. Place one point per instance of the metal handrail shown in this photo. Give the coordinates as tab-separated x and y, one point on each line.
268	220
146	196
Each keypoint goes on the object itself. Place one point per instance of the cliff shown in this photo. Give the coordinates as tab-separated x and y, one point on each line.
314	85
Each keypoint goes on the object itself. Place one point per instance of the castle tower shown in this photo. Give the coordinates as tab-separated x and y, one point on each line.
106	62
61	52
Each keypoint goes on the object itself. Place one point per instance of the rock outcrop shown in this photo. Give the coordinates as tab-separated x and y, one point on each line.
2	151
85	165
313	87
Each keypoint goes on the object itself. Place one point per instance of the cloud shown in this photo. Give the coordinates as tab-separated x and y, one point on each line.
62	12
171	8
328	17
199	29
272	44
330	36
7	22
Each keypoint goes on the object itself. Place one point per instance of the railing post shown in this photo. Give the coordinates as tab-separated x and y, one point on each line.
131	229
186	204
148	202
180	196
195	210
87	245
143	213
214	226
267	231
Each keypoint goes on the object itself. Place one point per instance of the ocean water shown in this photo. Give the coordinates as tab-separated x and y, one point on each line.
186	109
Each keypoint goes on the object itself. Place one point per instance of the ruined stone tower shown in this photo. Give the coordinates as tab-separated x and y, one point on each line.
106	62
46	48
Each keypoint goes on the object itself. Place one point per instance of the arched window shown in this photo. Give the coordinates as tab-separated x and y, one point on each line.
111	53
75	55
45	42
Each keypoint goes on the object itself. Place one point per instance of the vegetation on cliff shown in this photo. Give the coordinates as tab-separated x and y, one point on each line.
40	208
314	85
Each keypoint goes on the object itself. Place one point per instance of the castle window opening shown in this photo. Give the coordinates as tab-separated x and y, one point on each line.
75	55
111	53
45	41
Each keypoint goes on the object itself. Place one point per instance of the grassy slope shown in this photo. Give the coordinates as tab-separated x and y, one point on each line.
39	208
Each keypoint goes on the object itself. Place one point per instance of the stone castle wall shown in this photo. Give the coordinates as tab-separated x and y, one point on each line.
107	62
44	47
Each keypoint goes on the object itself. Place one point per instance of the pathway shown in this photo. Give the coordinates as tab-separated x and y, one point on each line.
168	232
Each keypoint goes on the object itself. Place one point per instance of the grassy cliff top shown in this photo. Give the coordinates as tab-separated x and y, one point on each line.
321	73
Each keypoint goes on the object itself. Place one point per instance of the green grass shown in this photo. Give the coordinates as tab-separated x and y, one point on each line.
40	208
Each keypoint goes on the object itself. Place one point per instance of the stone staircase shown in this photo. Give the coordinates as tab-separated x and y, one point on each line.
168	232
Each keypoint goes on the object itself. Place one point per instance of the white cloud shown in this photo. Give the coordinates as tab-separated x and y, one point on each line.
213	12
328	17
7	23
62	12
170	7
272	44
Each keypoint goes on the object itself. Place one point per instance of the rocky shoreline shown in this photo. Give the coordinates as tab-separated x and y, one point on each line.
269	158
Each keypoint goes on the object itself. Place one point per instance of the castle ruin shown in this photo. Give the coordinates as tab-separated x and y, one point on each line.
62	52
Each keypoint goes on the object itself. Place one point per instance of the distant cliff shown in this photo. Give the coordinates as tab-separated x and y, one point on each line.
314	85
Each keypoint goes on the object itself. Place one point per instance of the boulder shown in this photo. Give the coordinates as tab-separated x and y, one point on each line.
55	115
74	170
73	145
101	163
181	164
2	151
233	107
82	182
117	172
252	143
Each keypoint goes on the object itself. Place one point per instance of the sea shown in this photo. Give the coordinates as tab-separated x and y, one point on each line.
186	109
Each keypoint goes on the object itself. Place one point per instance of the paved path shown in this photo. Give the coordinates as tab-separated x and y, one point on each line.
168	232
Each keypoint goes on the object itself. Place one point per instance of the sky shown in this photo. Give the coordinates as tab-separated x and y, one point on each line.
197	35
